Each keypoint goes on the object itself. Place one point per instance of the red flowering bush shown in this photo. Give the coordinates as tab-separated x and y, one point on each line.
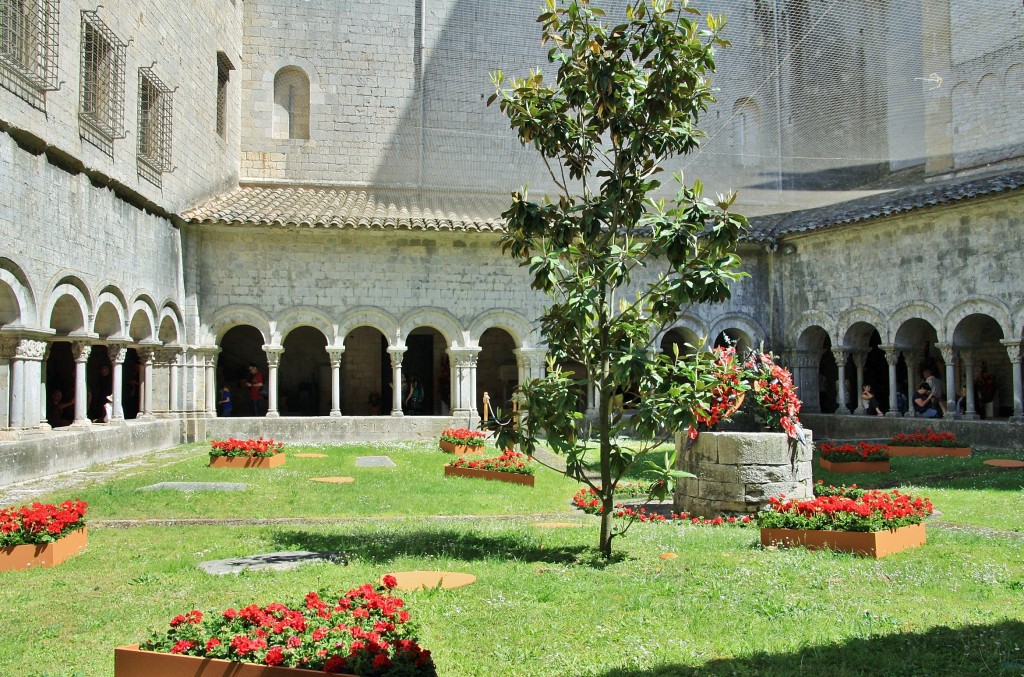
470	438
758	383
588	500
923	438
853	453
40	522
510	461
852	491
364	632
251	448
873	510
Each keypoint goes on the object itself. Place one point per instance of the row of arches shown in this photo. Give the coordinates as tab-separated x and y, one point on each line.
971	349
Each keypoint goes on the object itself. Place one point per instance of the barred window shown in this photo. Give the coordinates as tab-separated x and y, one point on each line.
102	96
28	41
155	105
224	68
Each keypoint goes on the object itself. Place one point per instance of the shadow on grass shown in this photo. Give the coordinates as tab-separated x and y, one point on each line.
380	547
974	650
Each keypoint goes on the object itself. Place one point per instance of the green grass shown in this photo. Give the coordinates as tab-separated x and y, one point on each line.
543	604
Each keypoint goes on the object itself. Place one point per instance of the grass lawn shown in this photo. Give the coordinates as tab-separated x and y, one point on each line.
543	604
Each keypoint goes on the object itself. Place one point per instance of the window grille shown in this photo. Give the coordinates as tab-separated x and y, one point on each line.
155	106
102	97
28	41
224	68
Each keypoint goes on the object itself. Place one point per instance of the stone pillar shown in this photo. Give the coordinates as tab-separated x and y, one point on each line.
841	356
592	398
117	353
464	383
892	357
146	358
43	423
334	354
532	364
209	367
274	354
805	367
1013	351
913	360
949	357
7	346
80	350
860	358
397	354
168	359
26	381
971	414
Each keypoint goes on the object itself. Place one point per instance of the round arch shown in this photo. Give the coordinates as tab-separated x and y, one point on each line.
300	316
67	309
994	308
435	318
859	316
369	316
142	322
20	305
919	310
170	324
229	317
515	325
110	316
806	320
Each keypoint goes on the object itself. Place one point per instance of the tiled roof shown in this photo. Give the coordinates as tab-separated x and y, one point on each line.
352	208
768	228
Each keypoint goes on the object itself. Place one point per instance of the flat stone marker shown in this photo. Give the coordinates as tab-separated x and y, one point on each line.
374	462
309	455
272	561
1005	463
333	480
417	580
197	486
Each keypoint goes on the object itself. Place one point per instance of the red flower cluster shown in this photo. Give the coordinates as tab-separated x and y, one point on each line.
587	500
40	522
774	392
725	395
642	515
364	632
850	453
509	461
873	510
925	438
470	438
251	448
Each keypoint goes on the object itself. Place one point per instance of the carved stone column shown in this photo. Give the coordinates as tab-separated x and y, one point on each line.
967	357
1013	351
117	352
146	358
334	354
532	364
397	354
913	360
464	384
44	425
860	358
892	357
80	350
274	354
7	346
805	368
26	381
169	358
949	357
841	355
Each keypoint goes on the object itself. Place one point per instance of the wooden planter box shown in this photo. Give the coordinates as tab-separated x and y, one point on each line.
246	461
855	466
461	449
929	451
514	478
870	544
21	557
130	661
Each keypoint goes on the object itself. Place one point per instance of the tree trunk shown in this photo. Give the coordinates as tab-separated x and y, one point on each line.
607	515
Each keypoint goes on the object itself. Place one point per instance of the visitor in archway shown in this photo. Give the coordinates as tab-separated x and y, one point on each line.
938	390
924	406
57	410
414	397
256	391
225	402
102	388
868	401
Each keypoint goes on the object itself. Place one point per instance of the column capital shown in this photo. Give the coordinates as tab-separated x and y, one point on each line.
334	355
892	353
274	353
805	359
168	355
117	352
8	344
80	350
29	349
534	358
947	350
1012	349
464	357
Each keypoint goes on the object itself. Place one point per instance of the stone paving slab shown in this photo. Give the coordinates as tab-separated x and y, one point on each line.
196	486
374	462
271	561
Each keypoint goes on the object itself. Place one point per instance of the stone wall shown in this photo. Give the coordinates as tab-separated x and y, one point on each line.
739	472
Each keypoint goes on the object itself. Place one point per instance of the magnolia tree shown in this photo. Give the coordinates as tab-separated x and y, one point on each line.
618	265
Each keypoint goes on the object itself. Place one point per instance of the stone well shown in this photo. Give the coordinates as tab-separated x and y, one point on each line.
738	472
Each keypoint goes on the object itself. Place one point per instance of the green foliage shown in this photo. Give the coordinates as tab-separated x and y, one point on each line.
618	263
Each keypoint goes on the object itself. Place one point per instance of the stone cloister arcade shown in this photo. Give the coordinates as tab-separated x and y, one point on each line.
971	347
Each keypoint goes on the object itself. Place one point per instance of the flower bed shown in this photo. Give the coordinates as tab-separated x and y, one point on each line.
862	457
472	441
511	466
867	522
250	448
587	500
41	534
366	631
927	443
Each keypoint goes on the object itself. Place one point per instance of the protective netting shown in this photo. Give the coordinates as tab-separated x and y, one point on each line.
819	101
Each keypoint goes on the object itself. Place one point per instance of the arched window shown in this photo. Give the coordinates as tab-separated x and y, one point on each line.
291	104
746	119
